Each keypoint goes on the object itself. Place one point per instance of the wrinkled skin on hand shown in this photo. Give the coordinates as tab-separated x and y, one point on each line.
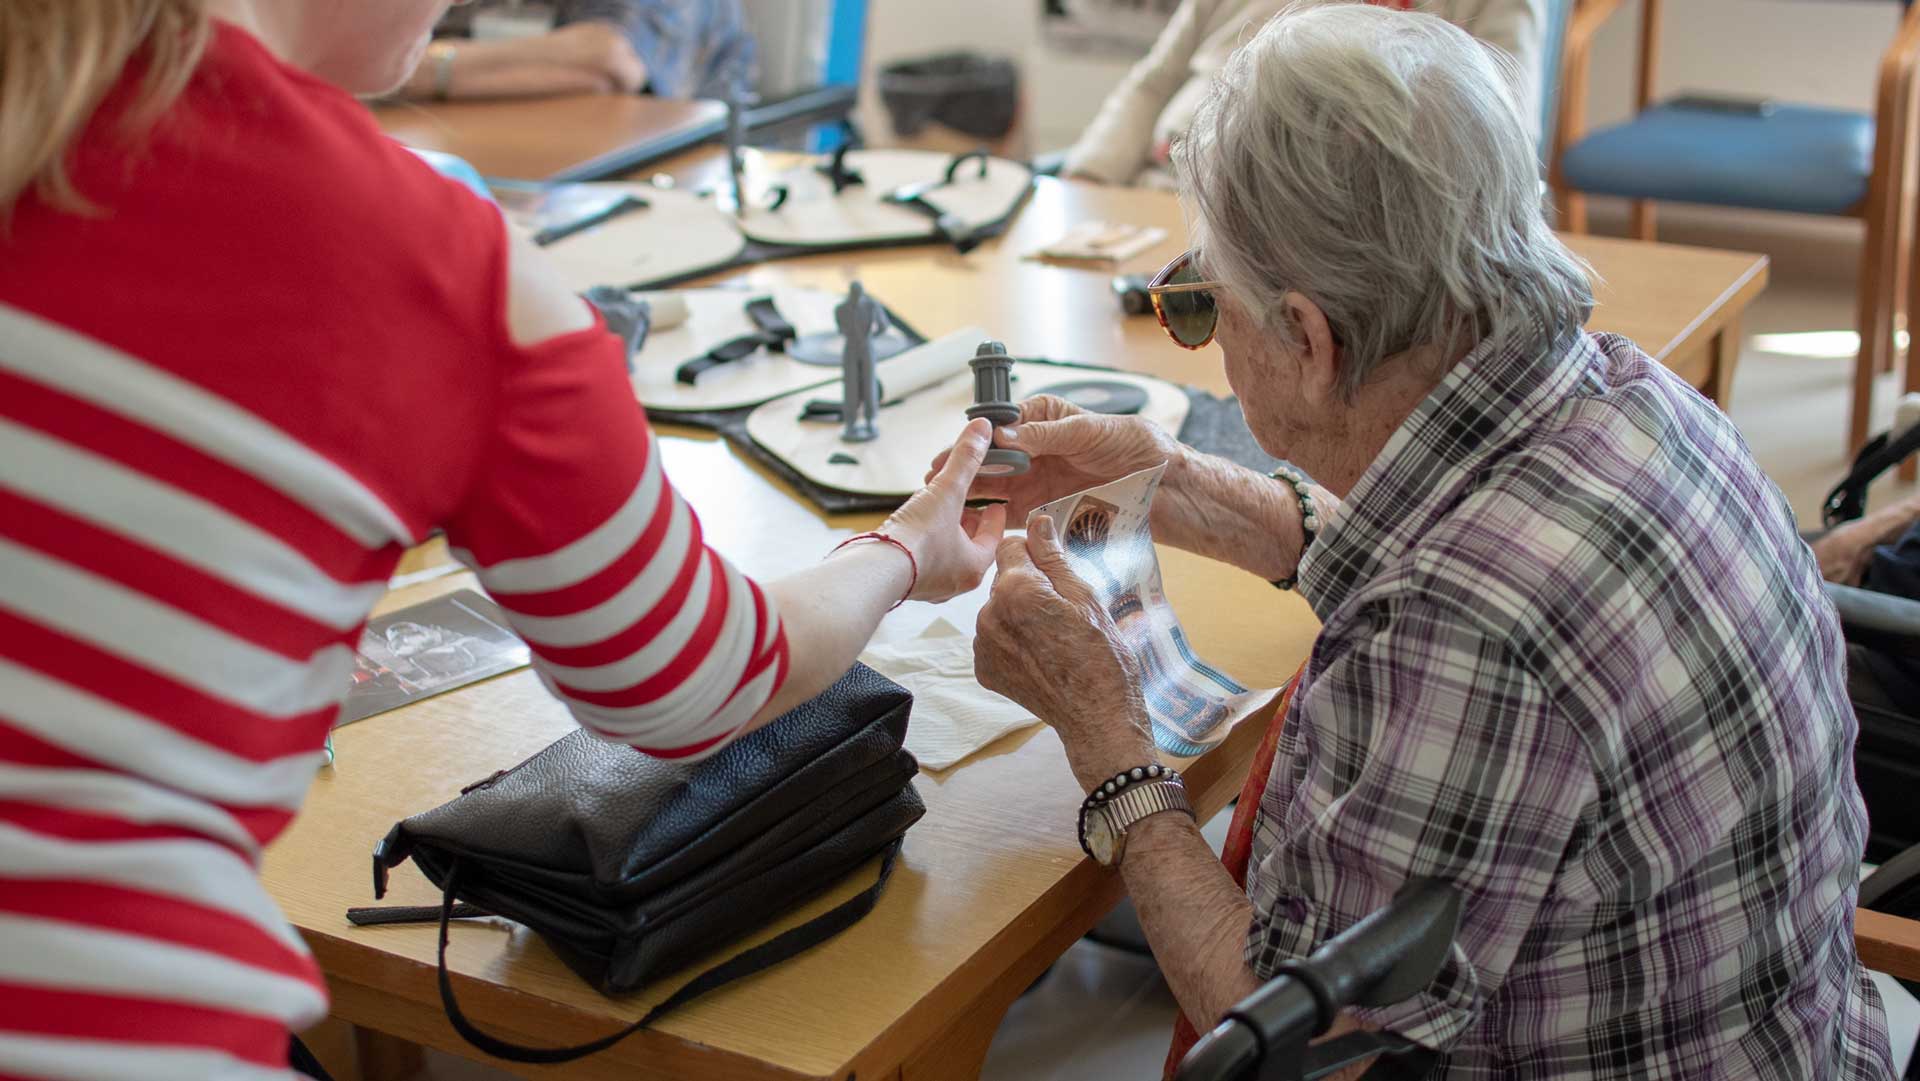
1046	642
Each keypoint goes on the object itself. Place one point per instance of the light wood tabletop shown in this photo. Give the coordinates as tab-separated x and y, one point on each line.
576	137
1681	304
992	887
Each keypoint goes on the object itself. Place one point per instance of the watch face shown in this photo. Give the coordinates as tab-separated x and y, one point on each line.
1100	837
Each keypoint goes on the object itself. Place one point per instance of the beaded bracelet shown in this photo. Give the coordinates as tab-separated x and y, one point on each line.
1309	521
1104	792
912	563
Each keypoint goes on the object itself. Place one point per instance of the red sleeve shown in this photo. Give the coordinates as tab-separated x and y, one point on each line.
648	635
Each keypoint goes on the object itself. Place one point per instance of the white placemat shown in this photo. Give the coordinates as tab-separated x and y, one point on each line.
813	216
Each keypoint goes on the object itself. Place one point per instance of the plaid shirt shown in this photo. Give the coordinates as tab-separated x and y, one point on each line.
1576	661
692	48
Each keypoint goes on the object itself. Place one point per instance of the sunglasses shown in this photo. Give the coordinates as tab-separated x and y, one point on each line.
1184	302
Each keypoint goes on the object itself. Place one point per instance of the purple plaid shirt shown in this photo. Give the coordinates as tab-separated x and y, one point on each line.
1576	661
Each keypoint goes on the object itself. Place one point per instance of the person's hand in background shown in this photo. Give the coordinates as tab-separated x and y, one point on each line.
589	57
1843	552
598	49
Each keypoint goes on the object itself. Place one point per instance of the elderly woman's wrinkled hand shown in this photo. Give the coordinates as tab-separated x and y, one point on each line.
1072	450
952	544
1845	552
1045	641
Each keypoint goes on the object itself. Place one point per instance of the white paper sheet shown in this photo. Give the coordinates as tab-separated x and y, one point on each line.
953	716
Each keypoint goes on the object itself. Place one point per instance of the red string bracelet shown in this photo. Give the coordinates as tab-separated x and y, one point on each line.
912	563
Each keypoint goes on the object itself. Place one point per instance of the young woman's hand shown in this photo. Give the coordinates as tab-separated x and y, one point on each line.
953	546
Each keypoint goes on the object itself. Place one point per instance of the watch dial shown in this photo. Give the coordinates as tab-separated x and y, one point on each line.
1100	837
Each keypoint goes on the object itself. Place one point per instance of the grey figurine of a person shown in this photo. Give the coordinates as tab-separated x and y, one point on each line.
861	319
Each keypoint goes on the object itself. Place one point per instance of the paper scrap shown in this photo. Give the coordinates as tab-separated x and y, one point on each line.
1102	241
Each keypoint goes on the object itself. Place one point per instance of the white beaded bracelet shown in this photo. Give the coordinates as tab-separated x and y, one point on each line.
1309	520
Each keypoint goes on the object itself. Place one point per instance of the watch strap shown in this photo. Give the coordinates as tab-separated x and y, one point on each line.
1131	803
1147	798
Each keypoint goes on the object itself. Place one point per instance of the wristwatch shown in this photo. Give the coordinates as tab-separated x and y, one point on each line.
1111	809
440	54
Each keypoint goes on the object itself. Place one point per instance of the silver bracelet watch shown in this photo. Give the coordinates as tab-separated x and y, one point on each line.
1111	809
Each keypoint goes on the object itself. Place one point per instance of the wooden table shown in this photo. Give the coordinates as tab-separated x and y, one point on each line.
992	887
1681	304
578	137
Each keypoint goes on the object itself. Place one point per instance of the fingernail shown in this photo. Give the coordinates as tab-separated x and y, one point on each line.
1011	432
1043	525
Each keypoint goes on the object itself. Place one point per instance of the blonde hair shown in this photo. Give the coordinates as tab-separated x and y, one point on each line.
59	58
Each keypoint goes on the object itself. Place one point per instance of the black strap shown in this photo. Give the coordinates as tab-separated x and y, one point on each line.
836	169
553	234
378	915
725	353
948	227
768	320
1848	500
771	331
766	955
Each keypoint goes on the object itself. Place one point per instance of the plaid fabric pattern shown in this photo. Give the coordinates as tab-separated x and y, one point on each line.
692	48
1576	661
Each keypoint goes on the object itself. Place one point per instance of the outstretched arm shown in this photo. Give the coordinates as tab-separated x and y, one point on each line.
649	636
1845	551
1206	504
1230	513
1119	141
579	58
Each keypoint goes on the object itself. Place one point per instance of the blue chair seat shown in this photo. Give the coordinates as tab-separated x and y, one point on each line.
1800	158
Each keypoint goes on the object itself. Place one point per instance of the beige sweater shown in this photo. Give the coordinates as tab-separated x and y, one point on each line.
1128	141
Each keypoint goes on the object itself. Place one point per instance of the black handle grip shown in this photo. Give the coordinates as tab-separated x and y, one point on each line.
1389	956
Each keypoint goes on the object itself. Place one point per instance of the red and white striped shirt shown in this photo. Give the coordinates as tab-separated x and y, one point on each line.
228	402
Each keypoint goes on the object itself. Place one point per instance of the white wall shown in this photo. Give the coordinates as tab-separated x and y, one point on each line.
1822	52
1816	52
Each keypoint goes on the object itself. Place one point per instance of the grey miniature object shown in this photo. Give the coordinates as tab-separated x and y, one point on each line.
993	399
628	317
860	318
736	142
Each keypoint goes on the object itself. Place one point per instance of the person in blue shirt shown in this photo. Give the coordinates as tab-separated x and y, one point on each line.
1881	552
509	48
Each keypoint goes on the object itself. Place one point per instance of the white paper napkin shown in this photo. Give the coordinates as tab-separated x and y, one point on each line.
953	716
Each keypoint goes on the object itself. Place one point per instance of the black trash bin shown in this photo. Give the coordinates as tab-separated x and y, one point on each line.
972	94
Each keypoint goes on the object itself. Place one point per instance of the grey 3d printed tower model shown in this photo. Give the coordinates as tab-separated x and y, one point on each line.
993	399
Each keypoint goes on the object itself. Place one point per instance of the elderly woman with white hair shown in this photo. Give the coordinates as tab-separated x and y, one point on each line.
1574	657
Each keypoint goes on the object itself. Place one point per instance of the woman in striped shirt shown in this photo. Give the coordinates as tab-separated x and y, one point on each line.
250	351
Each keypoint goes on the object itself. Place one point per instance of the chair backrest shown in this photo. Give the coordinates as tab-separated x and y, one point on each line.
1553	44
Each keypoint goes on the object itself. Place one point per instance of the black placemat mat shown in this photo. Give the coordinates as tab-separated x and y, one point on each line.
717	419
1213	425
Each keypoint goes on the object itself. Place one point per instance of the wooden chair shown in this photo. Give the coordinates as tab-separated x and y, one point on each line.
1799	158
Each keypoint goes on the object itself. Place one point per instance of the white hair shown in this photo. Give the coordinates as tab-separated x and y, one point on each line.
1376	162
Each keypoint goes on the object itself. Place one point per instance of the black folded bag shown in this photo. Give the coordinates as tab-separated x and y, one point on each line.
630	866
